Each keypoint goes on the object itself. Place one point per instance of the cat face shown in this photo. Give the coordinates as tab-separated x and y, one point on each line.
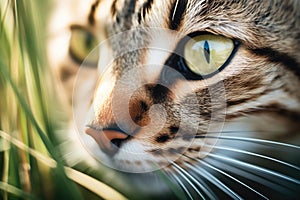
180	81
160	98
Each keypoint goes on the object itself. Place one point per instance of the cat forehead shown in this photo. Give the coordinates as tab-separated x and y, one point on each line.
271	26
257	24
214	10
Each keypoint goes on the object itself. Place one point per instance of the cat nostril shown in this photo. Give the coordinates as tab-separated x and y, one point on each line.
114	140
109	141
117	142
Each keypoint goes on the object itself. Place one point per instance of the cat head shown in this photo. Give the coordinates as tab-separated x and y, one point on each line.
176	75
167	78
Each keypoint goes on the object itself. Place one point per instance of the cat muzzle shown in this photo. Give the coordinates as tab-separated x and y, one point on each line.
108	140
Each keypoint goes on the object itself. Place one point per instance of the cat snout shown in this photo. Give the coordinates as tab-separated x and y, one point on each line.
109	140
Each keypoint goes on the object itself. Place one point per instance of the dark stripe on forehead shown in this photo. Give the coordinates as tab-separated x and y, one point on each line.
123	13
126	11
278	57
113	8
144	10
177	11
91	18
129	8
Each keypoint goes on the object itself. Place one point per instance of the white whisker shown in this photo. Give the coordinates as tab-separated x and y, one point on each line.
250	166
250	140
187	177
181	185
175	9
247	175
214	181
243	131
256	155
203	186
231	177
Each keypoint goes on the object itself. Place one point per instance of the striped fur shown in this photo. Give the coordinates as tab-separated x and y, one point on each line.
192	129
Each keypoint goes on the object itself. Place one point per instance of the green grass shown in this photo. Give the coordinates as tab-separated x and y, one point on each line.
30	164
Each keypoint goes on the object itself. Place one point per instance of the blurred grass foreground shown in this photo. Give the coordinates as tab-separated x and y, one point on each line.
30	165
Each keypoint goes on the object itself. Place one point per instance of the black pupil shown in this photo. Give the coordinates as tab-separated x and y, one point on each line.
206	51
89	40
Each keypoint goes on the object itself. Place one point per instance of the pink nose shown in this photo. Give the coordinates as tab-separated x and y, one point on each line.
108	140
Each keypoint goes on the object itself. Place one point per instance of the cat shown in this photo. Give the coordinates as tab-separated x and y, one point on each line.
190	99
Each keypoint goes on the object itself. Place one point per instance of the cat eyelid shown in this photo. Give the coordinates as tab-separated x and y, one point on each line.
82	27
189	36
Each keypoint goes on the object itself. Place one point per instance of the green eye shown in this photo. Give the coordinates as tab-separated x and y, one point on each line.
82	44
205	54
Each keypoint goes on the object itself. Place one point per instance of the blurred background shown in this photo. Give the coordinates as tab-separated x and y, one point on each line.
32	112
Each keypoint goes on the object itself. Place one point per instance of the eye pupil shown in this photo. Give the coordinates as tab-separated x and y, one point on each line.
207	51
89	41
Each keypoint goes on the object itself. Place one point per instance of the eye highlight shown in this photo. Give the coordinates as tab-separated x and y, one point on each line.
82	43
205	54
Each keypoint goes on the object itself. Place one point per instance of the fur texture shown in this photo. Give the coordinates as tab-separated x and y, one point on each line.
211	136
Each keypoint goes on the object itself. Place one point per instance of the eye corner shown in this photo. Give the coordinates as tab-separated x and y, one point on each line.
190	75
236	43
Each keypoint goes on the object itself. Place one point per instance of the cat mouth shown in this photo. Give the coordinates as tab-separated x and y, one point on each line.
109	140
